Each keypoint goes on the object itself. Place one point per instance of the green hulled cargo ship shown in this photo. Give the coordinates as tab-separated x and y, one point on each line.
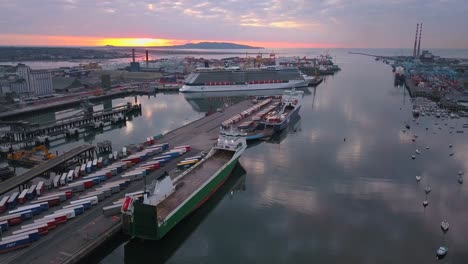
173	199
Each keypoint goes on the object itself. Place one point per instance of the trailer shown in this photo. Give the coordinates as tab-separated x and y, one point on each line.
4	225
3	203
31	192
34	208
83	169
13	200
94	164
57	180
41	228
22	196
40	188
93	199
64	179
70	176
76	172
89	167
100	162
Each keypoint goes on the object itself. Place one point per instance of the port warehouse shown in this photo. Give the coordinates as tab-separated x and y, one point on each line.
199	134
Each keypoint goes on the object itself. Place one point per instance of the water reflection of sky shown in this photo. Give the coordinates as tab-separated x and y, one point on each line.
317	197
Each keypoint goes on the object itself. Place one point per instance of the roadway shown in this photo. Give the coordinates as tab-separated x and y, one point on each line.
39	169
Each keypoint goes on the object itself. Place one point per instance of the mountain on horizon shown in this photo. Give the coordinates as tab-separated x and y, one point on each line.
213	45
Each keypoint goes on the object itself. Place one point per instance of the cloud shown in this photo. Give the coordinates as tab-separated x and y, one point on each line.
359	23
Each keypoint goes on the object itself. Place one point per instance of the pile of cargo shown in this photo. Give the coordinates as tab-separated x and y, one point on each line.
244	114
265	111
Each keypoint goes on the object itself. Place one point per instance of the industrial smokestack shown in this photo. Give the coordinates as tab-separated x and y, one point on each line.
133	55
146	58
419	44
415	41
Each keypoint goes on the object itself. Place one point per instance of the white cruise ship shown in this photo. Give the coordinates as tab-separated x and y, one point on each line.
237	79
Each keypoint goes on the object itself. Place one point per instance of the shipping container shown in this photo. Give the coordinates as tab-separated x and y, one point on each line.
76	172
31	192
57	181
83	169
40	188
22	196
3	203
94	164
100	162
94	200
33	235
63	179
41	228
10	245
13	200
4	226
89	167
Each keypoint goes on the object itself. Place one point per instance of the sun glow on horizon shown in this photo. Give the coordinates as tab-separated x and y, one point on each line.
63	41
136	42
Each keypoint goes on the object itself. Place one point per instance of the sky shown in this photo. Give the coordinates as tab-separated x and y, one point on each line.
265	23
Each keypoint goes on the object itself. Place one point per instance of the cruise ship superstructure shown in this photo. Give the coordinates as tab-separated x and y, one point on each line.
237	79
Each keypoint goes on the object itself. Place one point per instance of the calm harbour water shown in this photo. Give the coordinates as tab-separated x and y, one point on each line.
316	197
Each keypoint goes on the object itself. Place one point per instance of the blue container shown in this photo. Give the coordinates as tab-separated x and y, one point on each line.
26	215
87	205
34	236
36	211
44	206
79	210
105	162
12	245
4	226
96	181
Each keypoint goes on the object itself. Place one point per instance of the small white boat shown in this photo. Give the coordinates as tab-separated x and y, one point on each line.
444	225
450	146
413	156
425	203
417	151
427	189
451	154
460	173
418	178
460	180
441	252
427	147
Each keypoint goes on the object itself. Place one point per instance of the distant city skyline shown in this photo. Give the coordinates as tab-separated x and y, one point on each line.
264	23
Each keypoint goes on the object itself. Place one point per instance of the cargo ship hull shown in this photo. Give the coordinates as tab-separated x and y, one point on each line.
244	87
294	114
145	217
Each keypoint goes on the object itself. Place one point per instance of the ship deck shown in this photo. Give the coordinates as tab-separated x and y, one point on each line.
192	181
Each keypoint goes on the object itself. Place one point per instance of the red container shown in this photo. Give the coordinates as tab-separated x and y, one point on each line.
69	194
61	219
15	221
88	184
109	175
54	201
51	225
43	230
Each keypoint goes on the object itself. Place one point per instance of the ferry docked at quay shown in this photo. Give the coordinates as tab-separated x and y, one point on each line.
216	79
173	198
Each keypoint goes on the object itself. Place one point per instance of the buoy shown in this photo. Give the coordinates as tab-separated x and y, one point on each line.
425	203
427	190
444	225
418	178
